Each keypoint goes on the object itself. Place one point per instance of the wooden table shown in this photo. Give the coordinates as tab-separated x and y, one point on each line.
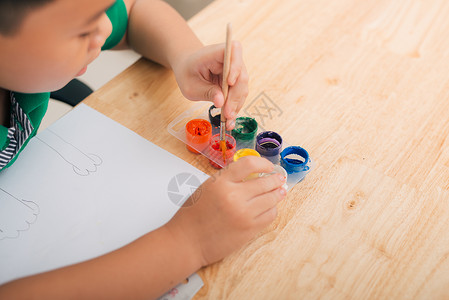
364	87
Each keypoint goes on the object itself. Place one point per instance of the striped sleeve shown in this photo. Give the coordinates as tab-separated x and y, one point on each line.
20	130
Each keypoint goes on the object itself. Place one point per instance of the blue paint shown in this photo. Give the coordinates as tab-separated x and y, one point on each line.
295	165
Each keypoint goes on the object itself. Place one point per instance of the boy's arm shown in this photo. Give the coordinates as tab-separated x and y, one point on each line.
158	32
227	212
144	269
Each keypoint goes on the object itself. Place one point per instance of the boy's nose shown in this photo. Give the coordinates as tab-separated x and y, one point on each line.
103	32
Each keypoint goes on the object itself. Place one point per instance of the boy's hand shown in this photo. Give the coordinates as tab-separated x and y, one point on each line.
199	76
229	211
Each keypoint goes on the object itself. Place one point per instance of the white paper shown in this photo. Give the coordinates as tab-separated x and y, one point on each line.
84	187
184	291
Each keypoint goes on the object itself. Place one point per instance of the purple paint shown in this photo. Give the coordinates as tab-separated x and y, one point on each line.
268	143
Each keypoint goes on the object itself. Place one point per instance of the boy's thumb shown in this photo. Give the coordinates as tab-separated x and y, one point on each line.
214	94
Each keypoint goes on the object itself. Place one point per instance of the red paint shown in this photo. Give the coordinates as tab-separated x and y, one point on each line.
216	146
215	153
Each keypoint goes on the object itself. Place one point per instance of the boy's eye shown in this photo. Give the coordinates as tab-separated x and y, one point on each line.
85	34
89	32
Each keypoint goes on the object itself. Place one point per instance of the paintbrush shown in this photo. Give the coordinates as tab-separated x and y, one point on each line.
225	88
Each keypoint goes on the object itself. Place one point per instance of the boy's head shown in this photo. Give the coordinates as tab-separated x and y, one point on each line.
12	13
46	43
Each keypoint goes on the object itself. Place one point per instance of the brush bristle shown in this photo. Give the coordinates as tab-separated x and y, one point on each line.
223	149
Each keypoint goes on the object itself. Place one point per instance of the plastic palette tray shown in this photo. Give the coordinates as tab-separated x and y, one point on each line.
200	110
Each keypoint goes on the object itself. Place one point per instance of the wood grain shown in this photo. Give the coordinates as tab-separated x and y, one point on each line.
364	87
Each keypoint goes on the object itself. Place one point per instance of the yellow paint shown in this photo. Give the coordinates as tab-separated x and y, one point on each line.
245	152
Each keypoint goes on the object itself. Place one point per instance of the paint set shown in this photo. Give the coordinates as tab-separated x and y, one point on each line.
198	128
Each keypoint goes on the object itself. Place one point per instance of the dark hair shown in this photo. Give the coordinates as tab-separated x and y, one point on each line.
13	12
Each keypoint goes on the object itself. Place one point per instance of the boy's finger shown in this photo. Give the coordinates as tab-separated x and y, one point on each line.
237	96
238	83
213	57
263	185
213	94
236	63
267	216
236	99
239	170
262	203
230	124
206	92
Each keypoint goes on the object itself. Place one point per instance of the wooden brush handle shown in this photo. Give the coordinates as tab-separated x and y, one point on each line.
226	66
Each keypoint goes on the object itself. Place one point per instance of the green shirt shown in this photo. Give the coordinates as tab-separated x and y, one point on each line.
28	110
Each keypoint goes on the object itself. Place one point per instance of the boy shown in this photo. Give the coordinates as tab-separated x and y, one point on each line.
43	45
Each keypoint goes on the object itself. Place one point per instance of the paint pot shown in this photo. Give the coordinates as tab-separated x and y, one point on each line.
245	152
294	160
214	118
215	153
269	145
198	134
245	132
214	115
278	170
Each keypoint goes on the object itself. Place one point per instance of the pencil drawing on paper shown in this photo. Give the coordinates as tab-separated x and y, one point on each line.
82	163
16	215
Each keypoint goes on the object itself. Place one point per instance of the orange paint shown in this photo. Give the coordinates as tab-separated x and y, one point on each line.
198	134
